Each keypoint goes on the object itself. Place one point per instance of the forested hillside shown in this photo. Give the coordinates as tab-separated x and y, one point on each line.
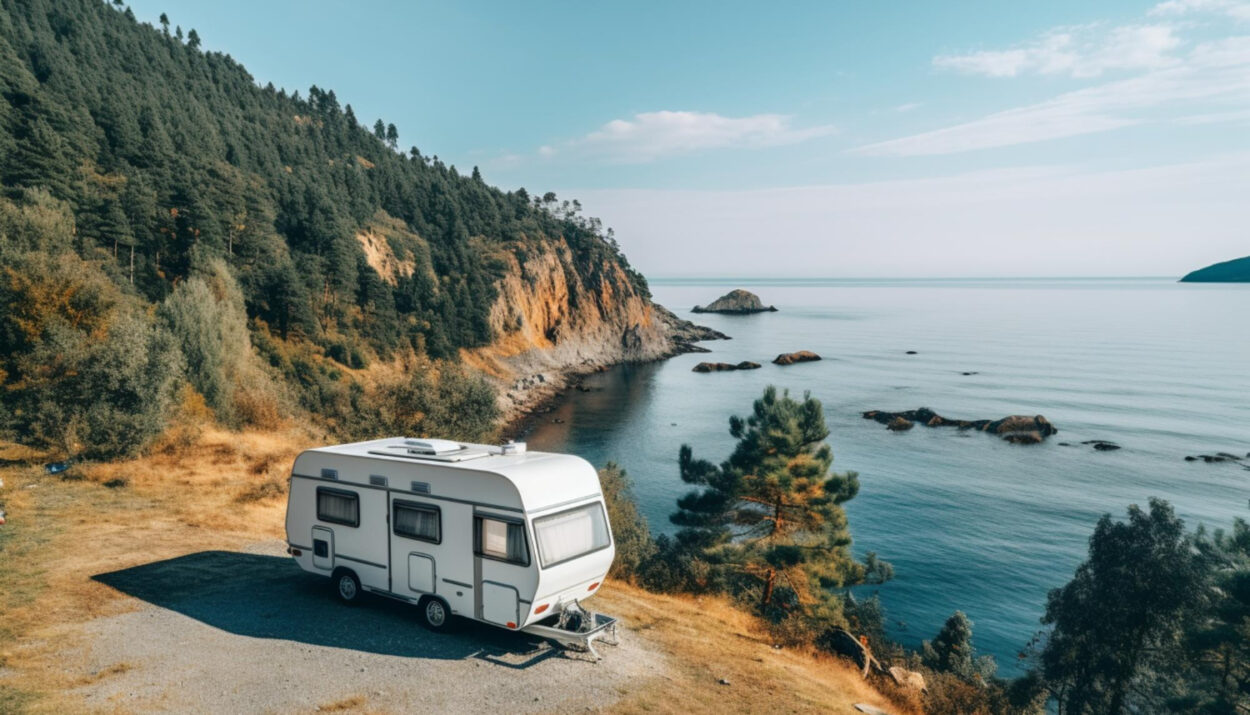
163	215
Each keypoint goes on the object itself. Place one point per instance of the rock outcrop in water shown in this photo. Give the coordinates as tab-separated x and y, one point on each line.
725	366
1234	271
791	358
736	302
1018	429
1220	457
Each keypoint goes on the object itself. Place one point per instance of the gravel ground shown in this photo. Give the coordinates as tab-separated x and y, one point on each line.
222	631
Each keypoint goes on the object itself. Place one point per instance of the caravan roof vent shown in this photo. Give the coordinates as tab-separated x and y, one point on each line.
437	450
432	446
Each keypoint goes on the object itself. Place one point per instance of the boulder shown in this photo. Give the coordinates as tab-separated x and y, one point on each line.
725	366
791	358
1217	458
908	678
736	302
1102	445
1021	423
900	424
714	367
1017	429
1031	437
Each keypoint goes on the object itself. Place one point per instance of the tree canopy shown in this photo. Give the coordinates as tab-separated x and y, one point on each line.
158	164
770	517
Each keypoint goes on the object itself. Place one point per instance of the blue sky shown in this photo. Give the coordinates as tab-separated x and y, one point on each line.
866	139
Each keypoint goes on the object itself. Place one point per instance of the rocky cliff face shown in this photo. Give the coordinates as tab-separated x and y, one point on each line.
552	321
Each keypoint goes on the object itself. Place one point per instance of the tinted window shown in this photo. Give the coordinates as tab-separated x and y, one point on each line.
418	521
500	539
338	507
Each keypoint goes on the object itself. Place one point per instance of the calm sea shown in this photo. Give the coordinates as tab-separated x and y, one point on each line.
969	522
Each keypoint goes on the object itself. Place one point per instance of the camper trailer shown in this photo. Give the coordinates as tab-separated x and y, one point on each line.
496	534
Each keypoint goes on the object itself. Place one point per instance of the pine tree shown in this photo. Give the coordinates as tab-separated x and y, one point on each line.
1220	646
1121	620
773	511
951	651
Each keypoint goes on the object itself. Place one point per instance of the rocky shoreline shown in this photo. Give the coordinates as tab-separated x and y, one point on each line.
528	397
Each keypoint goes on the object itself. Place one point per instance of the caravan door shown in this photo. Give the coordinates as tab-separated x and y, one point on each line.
416	535
323	547
430	551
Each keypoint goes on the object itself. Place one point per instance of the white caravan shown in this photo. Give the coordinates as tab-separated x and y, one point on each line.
496	534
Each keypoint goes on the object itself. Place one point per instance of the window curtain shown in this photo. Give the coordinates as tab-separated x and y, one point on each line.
570	534
516	543
421	523
340	508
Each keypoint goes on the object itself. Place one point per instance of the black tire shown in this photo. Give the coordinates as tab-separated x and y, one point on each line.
346	586
435	614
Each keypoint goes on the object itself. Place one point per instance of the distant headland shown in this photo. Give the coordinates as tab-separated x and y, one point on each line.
1234	271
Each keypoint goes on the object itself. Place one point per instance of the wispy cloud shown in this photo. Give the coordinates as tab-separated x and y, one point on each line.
1236	9
1172	81
1078	51
910	106
649	136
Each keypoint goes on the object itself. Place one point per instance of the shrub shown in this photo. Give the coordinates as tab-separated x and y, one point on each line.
206	315
433	399
634	545
271	487
86	373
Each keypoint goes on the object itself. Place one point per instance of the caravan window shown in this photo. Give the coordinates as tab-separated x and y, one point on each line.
500	539
571	533
418	521
337	506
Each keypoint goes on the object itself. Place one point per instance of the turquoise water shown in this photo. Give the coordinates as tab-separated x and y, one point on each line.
969	522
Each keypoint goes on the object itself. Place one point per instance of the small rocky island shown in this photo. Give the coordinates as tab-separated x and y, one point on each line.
1234	271
1017	429
736	302
725	366
800	356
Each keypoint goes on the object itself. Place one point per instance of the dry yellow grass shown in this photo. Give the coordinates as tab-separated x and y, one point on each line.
709	640
219	493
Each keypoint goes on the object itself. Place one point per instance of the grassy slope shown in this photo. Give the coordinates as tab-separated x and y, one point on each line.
227	490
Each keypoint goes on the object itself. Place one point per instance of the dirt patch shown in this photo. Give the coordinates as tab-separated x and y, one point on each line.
231	631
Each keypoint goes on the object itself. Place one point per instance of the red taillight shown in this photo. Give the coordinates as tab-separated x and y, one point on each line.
541	608
593	586
511	624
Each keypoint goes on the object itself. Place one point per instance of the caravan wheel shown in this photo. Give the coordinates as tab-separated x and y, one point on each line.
347	586
435	614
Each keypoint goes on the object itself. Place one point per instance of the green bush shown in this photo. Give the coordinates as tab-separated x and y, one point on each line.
205	313
630	533
433	399
84	371
97	398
